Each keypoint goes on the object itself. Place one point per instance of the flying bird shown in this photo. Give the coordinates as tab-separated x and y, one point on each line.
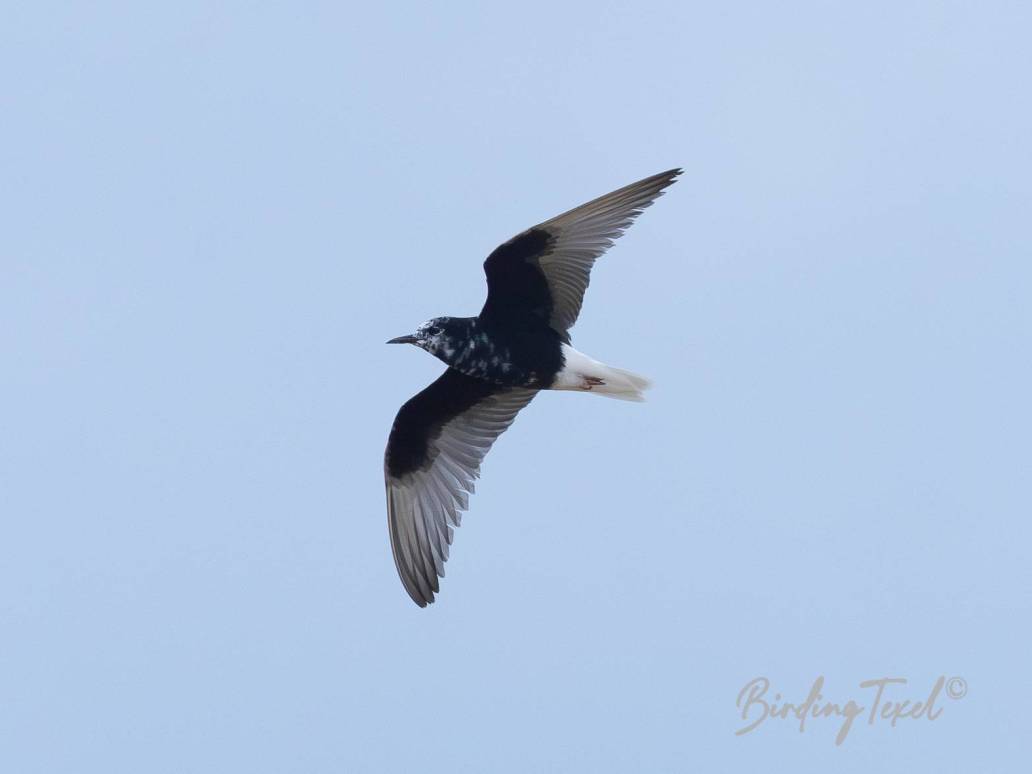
497	362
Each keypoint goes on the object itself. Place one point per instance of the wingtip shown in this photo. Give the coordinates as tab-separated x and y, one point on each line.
659	182
416	594
662	180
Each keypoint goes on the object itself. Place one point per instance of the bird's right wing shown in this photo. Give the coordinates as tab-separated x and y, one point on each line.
433	456
543	272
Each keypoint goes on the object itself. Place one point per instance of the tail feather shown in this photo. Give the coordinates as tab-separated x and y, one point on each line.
622	385
581	372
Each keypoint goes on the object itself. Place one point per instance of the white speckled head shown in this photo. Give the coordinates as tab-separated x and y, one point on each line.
432	335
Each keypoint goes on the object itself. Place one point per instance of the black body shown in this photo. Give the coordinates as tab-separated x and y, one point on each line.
503	352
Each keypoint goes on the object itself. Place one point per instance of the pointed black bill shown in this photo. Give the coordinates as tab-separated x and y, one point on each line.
404	340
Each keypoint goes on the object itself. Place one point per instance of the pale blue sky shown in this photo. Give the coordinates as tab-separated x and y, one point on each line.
214	216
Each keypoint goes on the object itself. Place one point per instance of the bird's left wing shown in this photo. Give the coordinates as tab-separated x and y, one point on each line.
433	456
544	271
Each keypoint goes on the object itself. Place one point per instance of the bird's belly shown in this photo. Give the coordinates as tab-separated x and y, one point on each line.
514	365
499	370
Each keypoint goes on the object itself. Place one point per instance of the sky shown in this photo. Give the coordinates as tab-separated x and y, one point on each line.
215	214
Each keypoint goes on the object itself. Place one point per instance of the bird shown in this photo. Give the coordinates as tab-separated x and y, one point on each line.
498	362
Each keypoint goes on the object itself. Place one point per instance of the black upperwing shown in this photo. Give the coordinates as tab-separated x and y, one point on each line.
543	272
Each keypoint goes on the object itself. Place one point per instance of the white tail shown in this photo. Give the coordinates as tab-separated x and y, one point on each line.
582	373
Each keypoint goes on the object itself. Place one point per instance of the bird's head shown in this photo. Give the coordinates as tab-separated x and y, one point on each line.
431	335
